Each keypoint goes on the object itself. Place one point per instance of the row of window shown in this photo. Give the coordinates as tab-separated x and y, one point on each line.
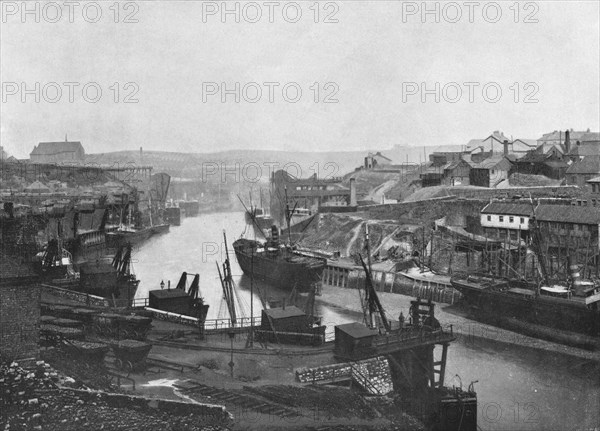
552	225
571	226
511	219
311	187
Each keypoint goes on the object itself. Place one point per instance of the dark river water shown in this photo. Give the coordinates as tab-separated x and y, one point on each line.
519	388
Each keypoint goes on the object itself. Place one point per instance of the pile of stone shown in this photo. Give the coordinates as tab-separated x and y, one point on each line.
374	376
18	386
325	372
32	399
21	392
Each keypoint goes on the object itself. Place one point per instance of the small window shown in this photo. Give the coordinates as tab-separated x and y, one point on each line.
576	227
511	219
489	218
522	220
501	218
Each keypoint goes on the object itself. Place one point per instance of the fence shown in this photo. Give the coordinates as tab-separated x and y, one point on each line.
81	297
212	325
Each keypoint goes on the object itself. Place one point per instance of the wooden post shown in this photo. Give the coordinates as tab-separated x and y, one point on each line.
587	251
443	364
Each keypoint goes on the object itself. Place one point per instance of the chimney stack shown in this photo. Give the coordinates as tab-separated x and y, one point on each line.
141	155
353	192
505	148
567	142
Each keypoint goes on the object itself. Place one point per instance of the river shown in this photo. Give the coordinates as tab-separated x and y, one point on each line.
519	388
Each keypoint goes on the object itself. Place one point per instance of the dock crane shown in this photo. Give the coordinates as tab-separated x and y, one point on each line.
227	284
373	304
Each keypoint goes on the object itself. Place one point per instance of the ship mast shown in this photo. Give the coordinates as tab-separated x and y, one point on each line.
536	244
227	283
288	216
372	298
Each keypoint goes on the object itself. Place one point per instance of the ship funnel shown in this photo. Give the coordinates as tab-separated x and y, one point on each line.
575	277
274	234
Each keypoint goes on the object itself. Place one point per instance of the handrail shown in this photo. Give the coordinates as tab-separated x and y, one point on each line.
365	379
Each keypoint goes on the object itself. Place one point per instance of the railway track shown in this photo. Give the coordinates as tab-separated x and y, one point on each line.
193	388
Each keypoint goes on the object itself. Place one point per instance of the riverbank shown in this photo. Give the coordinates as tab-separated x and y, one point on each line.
465	329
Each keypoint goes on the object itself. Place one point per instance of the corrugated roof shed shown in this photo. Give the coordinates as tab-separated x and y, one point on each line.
510	208
568	214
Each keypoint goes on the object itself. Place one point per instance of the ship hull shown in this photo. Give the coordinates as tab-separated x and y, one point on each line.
558	313
280	268
120	238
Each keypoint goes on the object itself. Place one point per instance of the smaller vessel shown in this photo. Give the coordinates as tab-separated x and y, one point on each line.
191	207
174	213
131	234
257	215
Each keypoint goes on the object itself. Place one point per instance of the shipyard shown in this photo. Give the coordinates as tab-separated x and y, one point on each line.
364	252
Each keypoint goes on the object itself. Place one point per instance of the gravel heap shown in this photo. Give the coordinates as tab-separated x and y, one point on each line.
31	400
18	386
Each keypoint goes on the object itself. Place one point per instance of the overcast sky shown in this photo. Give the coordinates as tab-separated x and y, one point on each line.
368	58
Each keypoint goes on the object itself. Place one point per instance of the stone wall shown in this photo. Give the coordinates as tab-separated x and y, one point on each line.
19	320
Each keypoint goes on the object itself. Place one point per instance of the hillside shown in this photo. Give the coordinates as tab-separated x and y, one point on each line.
304	164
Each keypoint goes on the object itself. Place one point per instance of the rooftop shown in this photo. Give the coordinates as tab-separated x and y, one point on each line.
567	214
511	208
51	148
588	165
494	162
357	330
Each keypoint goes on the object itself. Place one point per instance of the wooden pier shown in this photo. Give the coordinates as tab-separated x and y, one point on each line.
413	283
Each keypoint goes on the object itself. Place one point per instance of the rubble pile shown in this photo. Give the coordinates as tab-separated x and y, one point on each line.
20	394
89	374
18	386
30	399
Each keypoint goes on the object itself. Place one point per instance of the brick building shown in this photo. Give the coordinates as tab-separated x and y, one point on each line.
19	310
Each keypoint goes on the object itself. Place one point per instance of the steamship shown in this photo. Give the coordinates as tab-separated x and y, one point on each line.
278	264
540	309
553	307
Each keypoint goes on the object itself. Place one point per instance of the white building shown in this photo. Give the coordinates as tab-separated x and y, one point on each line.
499	219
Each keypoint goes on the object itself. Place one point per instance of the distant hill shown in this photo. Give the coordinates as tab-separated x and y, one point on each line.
299	163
